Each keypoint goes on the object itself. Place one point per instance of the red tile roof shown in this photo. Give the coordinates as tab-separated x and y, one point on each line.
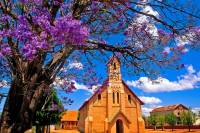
168	108
70	115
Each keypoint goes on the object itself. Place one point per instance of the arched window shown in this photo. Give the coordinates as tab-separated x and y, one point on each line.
115	66
99	97
118	97
113	97
129	98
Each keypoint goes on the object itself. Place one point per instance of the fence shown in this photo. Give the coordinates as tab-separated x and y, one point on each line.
175	127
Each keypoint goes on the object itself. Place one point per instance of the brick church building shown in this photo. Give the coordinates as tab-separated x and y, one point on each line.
113	108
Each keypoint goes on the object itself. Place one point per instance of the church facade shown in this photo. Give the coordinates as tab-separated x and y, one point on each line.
113	108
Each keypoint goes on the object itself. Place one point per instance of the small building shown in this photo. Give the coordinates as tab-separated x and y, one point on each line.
197	121
176	109
113	108
69	120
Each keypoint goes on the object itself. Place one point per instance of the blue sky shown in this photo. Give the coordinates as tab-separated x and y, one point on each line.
176	86
178	89
189	97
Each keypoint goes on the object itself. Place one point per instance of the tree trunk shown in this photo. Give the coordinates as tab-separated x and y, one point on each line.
189	128
21	106
11	108
40	129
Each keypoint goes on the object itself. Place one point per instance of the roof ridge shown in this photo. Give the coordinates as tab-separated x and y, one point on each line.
168	107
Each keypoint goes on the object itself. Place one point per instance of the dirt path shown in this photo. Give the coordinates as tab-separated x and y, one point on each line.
147	131
175	131
65	131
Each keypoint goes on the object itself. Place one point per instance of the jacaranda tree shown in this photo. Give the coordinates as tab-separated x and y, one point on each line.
39	38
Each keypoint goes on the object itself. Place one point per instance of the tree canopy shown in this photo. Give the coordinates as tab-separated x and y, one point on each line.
171	120
46	33
188	118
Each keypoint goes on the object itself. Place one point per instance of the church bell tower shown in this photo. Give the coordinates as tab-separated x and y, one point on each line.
116	101
114	74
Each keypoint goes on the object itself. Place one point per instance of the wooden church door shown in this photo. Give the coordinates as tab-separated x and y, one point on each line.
119	126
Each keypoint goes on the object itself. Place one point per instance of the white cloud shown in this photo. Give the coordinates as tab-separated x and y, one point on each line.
146	110
4	83
150	10
187	81
196	110
150	104
77	65
185	39
150	100
64	82
190	69
84	87
80	86
72	65
167	50
141	21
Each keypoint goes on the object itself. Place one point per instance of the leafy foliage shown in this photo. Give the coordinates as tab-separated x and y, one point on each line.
188	118
153	120
51	111
161	120
171	119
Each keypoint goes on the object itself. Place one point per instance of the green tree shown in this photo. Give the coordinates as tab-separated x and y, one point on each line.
171	120
145	118
49	114
188	118
161	121
152	120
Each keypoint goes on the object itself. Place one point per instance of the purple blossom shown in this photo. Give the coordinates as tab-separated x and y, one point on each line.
54	106
64	30
68	30
43	45
161	32
36	2
57	2
28	51
4	18
5	50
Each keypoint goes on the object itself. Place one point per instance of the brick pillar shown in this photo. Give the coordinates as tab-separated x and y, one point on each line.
86	126
106	125
141	124
109	103
122	99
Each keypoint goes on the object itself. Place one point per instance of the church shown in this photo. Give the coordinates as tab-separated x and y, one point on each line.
113	108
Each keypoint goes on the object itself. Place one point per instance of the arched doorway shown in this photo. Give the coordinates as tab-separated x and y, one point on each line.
119	126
